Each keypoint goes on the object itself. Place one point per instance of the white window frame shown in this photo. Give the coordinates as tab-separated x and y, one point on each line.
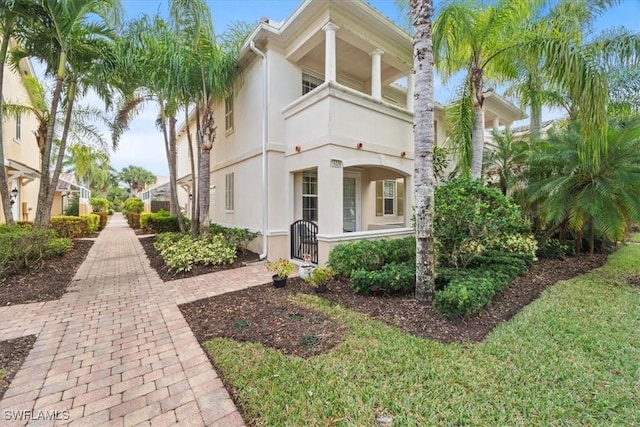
310	81
229	192
18	136
392	198
228	114
305	216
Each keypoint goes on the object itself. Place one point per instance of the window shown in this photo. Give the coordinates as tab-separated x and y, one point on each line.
228	114
310	82
18	126
228	192
390	198
310	196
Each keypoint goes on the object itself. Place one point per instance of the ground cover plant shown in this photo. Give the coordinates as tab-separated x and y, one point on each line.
570	357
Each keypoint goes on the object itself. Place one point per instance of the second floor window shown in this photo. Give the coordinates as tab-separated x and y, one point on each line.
310	82
228	114
18	126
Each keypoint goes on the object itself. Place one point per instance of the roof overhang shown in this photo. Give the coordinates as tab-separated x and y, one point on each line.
20	170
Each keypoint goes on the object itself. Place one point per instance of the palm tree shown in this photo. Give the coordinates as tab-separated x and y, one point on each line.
424	141
137	178
506	160
91	167
71	37
482	38
601	202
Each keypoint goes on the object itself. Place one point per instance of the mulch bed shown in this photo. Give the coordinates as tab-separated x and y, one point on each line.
634	280
157	263
46	282
262	314
12	355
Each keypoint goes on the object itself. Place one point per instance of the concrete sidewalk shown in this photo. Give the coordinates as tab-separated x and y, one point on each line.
115	349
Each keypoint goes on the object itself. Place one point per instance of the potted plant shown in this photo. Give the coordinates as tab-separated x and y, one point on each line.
282	269
320	277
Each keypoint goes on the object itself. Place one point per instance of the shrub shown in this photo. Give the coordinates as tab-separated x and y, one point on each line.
93	222
159	222
371	255
73	207
133	219
181	251
99	204
320	276
467	215
104	217
282	267
391	278
239	237
554	249
133	205
468	292
21	248
70	226
514	243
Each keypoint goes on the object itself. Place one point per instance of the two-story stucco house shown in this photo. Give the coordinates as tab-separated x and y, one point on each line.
319	131
21	156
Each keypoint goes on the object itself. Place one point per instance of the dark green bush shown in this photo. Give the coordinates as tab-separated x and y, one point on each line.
133	205
371	255
73	207
70	226
554	249
239	237
391	278
466	215
159	222
468	292
22	248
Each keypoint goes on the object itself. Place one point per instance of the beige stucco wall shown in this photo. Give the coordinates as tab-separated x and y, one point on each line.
24	150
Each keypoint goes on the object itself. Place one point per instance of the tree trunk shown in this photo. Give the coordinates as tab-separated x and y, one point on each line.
207	138
4	185
424	142
193	199
592	237
43	211
173	184
71	97
195	222
477	137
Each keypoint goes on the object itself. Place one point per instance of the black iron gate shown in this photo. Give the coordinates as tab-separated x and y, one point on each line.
304	240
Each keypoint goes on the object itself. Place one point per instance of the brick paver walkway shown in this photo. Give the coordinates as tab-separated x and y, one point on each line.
115	349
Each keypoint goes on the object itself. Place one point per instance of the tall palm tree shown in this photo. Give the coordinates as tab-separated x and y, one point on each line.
506	160
90	166
424	141
137	178
480	37
70	37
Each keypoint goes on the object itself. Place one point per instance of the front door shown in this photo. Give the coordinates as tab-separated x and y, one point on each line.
350	204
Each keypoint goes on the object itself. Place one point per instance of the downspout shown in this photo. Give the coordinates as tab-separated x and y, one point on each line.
265	137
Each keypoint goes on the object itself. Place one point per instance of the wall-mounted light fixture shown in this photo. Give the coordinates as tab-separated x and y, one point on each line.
14	195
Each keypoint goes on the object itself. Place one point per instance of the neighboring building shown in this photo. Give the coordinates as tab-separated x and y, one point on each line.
22	158
66	190
320	131
157	197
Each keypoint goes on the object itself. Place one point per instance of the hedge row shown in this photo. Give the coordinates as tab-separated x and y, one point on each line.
75	226
22	247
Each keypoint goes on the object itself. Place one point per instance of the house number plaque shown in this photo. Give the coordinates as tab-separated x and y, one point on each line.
335	163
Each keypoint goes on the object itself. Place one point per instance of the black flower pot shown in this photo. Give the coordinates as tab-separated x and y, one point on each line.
279	282
321	288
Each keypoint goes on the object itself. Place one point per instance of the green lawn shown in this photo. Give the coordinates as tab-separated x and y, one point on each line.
570	358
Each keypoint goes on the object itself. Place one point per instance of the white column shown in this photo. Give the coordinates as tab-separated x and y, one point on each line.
330	51
496	123
376	75
410	92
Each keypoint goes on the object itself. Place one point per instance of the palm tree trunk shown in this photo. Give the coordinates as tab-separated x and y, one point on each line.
207	138
43	211
71	97
4	185
195	185
173	184
592	236
424	141
193	193
477	136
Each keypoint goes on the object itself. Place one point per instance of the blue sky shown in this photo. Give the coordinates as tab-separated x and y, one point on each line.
143	146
